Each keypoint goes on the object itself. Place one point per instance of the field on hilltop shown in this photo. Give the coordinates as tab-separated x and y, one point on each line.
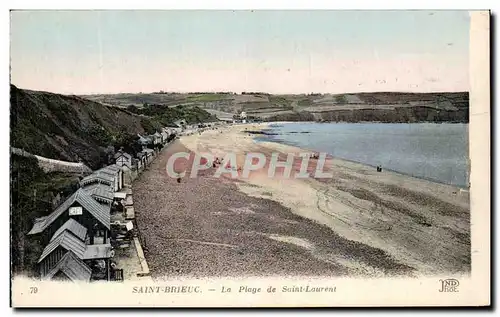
355	107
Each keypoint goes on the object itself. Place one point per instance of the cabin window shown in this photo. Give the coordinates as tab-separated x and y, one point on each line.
75	211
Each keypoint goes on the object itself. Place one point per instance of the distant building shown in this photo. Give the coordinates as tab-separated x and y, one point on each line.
181	124
157	138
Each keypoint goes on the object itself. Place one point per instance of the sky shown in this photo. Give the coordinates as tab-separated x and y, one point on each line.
90	52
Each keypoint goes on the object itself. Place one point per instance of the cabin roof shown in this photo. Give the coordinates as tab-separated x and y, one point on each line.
108	171
99	211
100	192
98	176
74	227
124	154
68	241
74	268
143	139
112	167
97	251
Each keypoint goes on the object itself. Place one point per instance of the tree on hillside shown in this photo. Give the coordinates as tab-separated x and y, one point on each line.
341	99
133	109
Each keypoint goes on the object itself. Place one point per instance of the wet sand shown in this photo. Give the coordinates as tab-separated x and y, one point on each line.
358	223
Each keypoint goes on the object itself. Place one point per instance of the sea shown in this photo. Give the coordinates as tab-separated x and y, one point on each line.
437	152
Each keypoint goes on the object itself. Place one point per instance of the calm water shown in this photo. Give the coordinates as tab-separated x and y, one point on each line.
437	152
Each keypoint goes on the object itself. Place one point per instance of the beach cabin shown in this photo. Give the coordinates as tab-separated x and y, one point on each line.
136	164
69	268
157	138
57	248
82	208
164	136
141	157
116	172
150	153
93	260
101	193
144	141
123	159
99	178
146	156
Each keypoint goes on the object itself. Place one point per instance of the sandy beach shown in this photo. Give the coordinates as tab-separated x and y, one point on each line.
358	223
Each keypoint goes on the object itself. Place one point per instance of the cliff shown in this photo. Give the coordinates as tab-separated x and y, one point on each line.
394	115
75	129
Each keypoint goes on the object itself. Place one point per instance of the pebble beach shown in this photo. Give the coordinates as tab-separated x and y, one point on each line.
358	223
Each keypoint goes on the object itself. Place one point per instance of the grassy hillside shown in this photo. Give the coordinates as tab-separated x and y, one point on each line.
162	115
379	106
72	128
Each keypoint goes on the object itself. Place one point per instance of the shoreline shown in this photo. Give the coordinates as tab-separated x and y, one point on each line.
353	161
360	223
383	210
216	230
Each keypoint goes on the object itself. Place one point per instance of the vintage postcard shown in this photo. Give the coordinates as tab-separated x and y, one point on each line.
250	158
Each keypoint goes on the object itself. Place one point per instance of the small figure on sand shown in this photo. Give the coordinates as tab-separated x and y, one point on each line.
379	168
315	156
217	162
